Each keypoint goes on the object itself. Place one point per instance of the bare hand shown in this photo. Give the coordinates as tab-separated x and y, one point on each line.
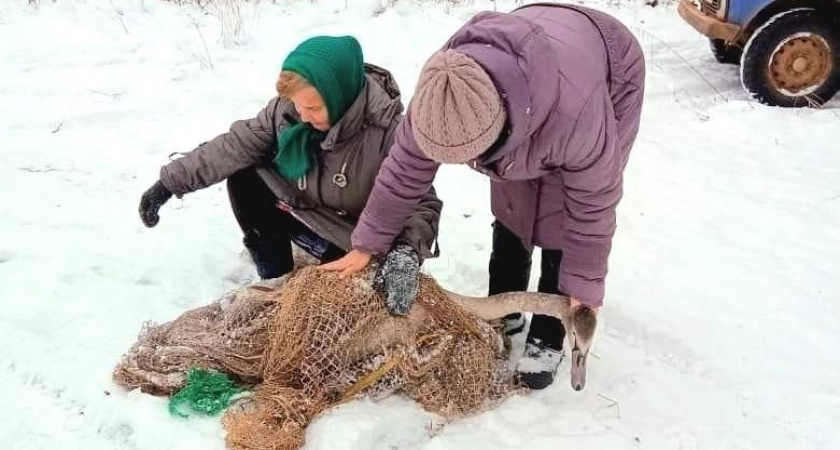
351	263
575	302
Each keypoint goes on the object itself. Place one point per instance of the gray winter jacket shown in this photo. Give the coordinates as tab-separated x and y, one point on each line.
353	151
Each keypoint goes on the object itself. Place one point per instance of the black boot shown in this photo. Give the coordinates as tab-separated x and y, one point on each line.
544	345
266	228
271	255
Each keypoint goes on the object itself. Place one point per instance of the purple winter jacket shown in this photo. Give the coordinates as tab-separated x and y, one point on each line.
572	80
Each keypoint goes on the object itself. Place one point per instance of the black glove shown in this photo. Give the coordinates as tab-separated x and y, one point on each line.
151	202
397	278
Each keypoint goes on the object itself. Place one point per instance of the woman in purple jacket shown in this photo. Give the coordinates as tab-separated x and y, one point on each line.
546	101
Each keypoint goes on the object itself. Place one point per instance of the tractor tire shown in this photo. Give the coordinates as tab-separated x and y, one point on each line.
793	60
725	54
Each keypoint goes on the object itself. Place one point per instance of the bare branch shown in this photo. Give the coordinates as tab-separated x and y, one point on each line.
114	97
685	61
203	42
613	403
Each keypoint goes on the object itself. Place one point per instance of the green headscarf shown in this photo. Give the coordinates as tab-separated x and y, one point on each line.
334	66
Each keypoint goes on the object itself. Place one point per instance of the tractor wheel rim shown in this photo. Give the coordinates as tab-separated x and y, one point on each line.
800	64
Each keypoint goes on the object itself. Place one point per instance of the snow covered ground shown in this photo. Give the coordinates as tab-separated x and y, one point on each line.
720	326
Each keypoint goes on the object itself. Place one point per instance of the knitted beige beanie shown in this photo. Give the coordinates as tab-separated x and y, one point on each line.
456	112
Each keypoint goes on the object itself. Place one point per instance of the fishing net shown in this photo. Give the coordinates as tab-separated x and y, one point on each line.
230	335
207	392
310	341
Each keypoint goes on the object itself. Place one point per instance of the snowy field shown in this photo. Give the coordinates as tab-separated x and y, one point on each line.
720	329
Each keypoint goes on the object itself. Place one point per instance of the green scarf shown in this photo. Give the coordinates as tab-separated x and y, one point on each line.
334	66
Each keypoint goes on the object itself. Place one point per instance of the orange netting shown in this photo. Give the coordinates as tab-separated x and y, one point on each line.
310	341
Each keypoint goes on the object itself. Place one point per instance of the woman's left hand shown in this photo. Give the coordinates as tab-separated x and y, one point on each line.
351	263
575	302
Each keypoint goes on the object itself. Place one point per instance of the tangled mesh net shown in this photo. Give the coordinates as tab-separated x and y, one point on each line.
206	392
310	341
229	335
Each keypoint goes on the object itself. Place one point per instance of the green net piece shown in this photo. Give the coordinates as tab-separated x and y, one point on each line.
207	393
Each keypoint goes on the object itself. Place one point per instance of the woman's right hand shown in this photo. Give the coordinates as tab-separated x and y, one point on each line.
351	263
151	201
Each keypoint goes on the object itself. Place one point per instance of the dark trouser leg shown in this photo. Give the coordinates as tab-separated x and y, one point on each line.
546	329
510	270
543	348
510	262
510	267
266	228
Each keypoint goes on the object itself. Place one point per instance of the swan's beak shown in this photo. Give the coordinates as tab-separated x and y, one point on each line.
578	368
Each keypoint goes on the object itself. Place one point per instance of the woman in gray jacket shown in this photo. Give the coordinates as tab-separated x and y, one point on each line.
302	170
